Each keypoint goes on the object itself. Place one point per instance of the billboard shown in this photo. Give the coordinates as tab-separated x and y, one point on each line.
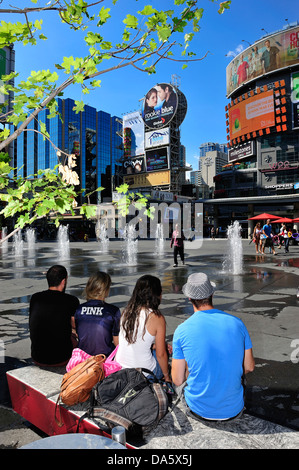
157	159
157	138
133	166
159	105
274	52
133	134
159	178
295	98
252	114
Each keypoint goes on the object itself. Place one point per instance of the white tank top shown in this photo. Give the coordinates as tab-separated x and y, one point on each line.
138	354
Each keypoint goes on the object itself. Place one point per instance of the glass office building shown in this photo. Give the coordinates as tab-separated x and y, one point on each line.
93	136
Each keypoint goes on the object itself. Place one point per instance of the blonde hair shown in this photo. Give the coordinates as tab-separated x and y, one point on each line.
98	286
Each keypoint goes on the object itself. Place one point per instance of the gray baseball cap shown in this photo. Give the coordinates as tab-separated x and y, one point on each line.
198	286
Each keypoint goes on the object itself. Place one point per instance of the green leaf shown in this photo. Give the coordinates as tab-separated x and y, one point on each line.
88	211
147	10
131	21
224	6
103	15
79	107
122	189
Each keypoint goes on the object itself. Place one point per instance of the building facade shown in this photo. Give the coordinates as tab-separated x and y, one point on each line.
210	165
210	147
92	136
262	174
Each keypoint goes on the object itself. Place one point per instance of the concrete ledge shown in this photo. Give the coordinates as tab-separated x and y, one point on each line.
180	431
34	392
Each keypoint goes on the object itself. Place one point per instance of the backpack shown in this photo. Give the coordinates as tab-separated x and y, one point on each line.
77	384
129	399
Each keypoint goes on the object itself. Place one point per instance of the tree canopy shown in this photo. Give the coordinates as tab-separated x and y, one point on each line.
147	37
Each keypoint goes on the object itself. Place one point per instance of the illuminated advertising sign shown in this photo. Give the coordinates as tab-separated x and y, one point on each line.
272	53
133	166
252	114
157	138
159	105
157	159
295	99
133	134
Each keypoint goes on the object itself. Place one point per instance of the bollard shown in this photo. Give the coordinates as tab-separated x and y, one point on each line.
118	434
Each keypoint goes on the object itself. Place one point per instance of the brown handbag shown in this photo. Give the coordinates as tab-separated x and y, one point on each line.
77	384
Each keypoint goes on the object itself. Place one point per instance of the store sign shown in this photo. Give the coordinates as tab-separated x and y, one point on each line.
278	187
157	138
242	151
277	166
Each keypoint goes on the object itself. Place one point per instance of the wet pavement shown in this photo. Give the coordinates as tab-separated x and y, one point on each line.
264	296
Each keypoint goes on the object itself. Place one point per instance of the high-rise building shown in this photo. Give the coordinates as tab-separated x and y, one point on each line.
262	119
211	164
210	147
94	137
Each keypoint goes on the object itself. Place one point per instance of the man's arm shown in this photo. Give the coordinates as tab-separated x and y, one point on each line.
179	371
249	362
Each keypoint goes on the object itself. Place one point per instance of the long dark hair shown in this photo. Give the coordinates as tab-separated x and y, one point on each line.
147	295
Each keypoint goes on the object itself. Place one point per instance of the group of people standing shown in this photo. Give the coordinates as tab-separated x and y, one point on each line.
263	237
211	350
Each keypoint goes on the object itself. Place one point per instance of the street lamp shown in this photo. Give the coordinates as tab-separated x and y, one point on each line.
244	40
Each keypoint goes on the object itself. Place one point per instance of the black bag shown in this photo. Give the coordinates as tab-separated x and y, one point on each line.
129	399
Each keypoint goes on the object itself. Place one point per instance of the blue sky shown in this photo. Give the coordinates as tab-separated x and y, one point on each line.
202	82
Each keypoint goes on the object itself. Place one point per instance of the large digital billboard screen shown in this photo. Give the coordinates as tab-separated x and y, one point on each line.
295	98
156	159
159	105
133	140
252	114
274	52
133	166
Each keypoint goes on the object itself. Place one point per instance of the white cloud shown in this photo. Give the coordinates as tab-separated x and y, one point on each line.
237	51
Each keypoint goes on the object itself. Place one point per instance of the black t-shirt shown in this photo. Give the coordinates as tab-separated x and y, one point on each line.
50	328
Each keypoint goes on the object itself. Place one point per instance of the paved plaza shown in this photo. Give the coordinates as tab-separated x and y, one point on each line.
264	296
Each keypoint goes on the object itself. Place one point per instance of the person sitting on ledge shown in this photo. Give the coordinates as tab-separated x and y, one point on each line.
97	322
142	330
51	319
212	350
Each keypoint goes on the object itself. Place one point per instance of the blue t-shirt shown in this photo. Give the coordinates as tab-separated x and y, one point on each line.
213	343
96	323
267	229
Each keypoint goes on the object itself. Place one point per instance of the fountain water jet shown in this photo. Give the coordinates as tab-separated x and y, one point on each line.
18	244
30	239
4	245
130	245
63	242
159	240
233	261
102	236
